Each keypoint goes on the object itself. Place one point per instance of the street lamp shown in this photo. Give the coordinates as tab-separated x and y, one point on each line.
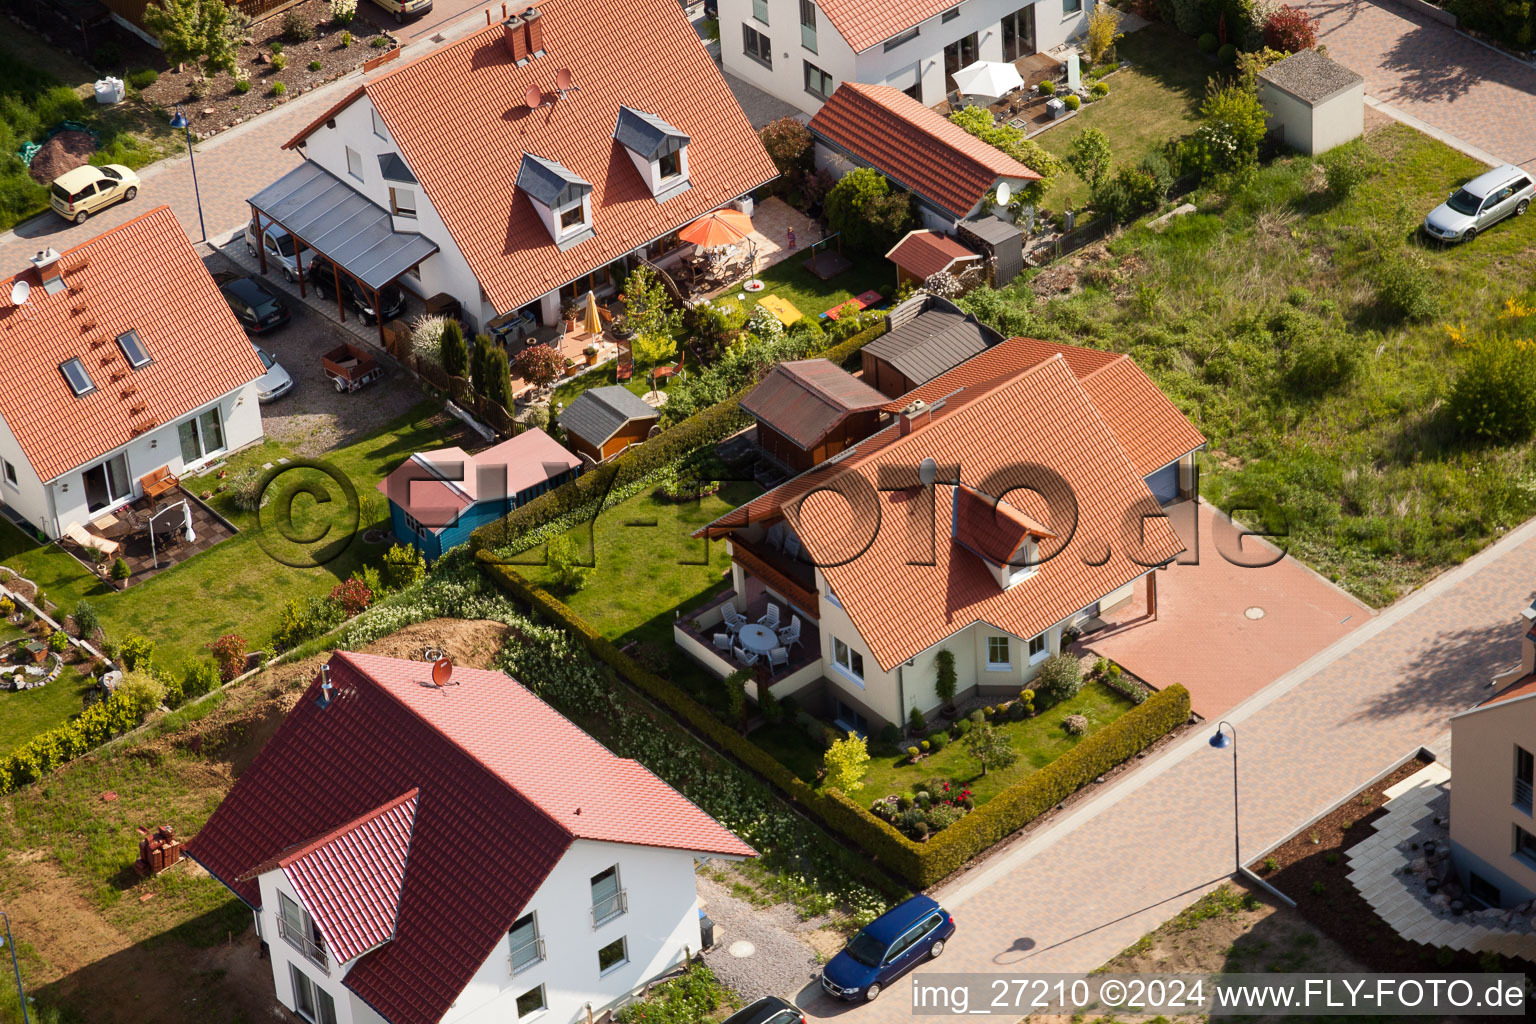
180	123
21	993
1221	741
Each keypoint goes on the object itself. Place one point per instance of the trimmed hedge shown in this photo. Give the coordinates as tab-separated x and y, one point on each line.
708	427
921	864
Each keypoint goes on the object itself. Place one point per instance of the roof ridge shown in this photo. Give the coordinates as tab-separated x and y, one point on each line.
285	857
440	476
347	658
1119	357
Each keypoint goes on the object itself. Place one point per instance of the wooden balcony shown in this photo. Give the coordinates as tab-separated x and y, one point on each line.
795	579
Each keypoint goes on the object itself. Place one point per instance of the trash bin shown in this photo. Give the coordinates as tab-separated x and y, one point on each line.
1055	107
110	90
706	930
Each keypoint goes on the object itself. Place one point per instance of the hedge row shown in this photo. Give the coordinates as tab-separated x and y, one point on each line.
90	729
921	864
708	427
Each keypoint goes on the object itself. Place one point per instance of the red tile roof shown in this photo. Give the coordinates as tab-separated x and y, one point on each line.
991	528
805	399
501	805
1525	686
143	276
467	162
923	253
433	487
1042	414
863	23
919	150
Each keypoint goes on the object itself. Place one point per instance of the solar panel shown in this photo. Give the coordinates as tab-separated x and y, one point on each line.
74	374
133	347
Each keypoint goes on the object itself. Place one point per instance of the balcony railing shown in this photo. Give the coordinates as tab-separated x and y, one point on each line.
610	907
526	955
313	951
1523	793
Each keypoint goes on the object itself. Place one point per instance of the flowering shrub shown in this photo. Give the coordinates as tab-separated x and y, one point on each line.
352	596
1290	30
343	11
229	652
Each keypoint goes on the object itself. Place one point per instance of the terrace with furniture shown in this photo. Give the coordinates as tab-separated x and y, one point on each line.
738	630
150	534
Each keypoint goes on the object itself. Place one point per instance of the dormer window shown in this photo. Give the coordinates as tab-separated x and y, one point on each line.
561	196
1001	535
657	149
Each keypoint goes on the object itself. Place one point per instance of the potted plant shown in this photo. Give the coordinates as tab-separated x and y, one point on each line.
619	327
591	351
568	314
570	366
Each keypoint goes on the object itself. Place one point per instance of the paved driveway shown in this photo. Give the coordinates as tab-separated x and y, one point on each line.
1431	72
1223	630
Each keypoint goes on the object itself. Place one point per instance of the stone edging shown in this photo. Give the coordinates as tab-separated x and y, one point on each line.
1429	10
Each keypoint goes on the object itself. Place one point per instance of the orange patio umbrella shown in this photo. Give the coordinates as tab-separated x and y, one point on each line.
722	227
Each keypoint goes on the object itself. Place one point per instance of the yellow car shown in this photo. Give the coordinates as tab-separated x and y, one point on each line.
403	8
77	194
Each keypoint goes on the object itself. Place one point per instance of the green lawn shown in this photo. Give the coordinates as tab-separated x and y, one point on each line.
1039	741
647	565
812	296
1149	103
25	713
237	586
602	377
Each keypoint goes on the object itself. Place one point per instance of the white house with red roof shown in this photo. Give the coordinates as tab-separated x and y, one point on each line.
419	849
524	164
437	498
802	50
121	360
1019	493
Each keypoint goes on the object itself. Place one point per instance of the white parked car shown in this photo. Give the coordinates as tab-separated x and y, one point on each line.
280	248
1480	203
273	384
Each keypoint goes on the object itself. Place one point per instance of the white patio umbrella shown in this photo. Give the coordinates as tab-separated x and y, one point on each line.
988	78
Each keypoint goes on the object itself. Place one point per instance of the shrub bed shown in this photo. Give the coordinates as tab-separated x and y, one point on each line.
921	864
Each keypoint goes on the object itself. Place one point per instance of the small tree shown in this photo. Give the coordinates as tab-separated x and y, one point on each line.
1088	156
944	686
788	142
1231	128
1493	398
194	32
565	563
736	697
846	763
539	365
768	705
136	652
1290	30
497	377
916	722
652	317
1102	32
229	652
989	748
867	212
455	351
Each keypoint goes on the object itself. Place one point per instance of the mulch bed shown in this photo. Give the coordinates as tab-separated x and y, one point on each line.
1314	871
221	107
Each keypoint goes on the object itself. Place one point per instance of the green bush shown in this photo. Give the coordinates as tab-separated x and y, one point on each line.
1207	42
691	998
296	27
315	65
1098	90
1317	356
242	85
916	721
867	211
1405	289
890	734
143	78
58	641
403	567
345	40
1493	398
91	728
1047	88
136	653
279	89
1072	101
938	739
279	61
962	727
1059	679
1227	54
1345	169
87	620
120	570
200	677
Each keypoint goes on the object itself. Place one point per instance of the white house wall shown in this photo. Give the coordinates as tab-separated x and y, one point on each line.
444	271
1483	812
922	57
27	495
146	453
283	955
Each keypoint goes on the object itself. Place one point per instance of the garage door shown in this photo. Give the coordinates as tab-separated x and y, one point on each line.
1164	484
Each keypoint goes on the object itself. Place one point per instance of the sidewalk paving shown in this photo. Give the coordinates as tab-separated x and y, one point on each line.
1429	71
1122	862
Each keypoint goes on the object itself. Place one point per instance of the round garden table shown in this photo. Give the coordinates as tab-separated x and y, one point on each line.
758	639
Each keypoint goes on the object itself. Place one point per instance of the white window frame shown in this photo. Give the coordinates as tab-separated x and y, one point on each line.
620	897
840	651
902	38
396	207
623	943
11	477
196	419
354	163
378	124
537	942
1006	665
543	1003
582	224
1036	657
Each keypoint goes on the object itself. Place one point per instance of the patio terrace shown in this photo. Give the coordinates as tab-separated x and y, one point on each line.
129	528
695	633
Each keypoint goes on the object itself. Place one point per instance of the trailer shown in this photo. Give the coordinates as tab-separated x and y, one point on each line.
349	367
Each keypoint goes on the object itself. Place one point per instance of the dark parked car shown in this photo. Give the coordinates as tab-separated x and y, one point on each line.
887	947
257	309
768	1010
322	277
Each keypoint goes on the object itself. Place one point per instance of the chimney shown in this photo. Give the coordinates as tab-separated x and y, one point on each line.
49	269
533	25
326	689
515	38
913	416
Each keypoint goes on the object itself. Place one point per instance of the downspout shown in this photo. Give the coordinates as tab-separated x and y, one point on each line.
901	692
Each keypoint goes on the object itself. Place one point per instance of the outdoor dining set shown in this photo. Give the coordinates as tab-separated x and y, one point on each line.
750	643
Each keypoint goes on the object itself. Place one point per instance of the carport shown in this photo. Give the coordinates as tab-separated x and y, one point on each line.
325	214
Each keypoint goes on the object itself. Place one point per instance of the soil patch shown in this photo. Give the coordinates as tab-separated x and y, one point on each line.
1312	869
64	152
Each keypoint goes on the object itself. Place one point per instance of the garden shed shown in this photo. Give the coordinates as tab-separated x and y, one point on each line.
1314	103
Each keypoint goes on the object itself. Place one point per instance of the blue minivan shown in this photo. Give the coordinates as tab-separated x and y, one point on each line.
886	948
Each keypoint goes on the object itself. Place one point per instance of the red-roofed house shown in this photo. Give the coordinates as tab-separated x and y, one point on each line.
946	168
926	536
123	360
437	498
802	50
416	853
467	191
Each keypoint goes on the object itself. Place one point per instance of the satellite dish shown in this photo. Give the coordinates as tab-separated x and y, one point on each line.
534	97
563	79
927	472
21	291
1004	193
442	671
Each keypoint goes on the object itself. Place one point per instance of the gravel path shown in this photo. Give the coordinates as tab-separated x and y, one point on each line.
779	964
